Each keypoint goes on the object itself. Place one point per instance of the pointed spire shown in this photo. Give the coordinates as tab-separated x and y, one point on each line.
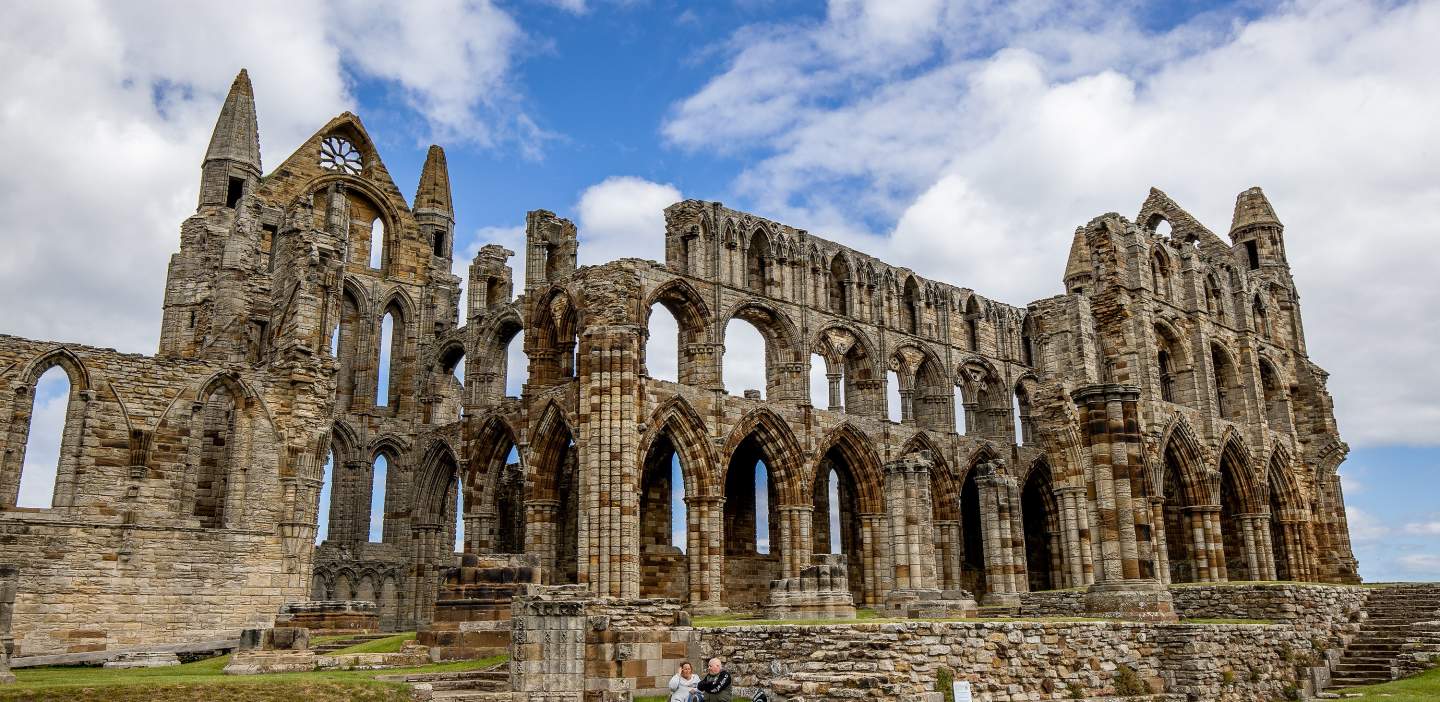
1252	208
434	190
1079	263
237	137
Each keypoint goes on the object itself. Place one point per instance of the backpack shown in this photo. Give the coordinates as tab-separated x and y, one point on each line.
760	696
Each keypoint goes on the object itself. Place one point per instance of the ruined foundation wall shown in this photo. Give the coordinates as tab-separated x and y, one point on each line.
1016	660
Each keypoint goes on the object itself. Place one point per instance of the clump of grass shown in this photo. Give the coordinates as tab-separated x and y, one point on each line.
1128	683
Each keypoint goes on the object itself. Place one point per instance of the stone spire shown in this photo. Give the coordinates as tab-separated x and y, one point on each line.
434	190
1079	264
1252	208
237	137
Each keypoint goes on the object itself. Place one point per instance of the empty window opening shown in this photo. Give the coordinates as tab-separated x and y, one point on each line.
839	277
662	347
438	243
327	490
1167	378
517	366
379	476
893	410
1252	252
216	433
961	424
757	263
234	192
910	307
823	393
42	447
743	365
385	356
459	544
268	247
377	243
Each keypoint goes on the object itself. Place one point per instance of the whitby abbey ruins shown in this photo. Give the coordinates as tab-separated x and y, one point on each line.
1069	482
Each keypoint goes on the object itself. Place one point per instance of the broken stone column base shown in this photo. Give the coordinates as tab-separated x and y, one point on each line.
1137	600
144	659
821	592
929	604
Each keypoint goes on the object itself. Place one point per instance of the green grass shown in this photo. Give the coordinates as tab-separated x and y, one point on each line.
1424	687
389	644
205	680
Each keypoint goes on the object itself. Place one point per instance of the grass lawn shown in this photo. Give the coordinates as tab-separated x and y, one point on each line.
389	644
205	680
1424	687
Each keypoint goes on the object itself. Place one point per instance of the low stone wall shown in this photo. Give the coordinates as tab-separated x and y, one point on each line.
1324	613
1053	603
1011	660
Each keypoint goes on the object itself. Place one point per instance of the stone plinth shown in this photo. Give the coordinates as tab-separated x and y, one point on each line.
1139	600
929	604
157	659
331	617
822	591
9	581
472	611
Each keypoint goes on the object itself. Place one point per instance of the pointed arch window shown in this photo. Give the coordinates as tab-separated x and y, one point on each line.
910	315
839	277
757	263
36	479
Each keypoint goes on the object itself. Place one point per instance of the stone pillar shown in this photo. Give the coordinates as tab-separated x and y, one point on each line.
907	412
999	495
1125	586
837	401
540	533
1162	545
912	535
874	544
796	542
911	546
705	552
700	366
9	583
948	552
427	539
609	533
547	649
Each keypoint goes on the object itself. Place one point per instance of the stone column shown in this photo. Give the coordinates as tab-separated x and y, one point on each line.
874	544
700	366
907	504
1003	570
705	552
1125	586
837	401
911	546
907	412
609	532
427	538
947	555
1162	545
9	583
540	531
795	538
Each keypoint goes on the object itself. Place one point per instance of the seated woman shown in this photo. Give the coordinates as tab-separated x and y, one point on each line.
683	684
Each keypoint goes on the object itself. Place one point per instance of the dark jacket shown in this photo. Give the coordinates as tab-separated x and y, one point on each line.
716	687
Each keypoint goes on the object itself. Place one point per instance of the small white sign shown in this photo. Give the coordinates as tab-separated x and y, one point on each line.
962	691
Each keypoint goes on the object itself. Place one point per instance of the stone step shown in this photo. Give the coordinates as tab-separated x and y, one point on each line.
476	676
348	641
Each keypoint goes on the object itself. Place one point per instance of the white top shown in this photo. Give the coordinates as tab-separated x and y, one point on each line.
682	687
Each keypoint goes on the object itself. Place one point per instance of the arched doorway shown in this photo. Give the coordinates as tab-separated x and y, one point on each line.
552	505
1041	522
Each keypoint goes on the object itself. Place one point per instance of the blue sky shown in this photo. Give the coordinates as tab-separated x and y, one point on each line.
963	139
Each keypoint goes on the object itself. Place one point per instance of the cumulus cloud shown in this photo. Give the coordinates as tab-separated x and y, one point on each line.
1365	526
111	105
623	216
1430	528
973	137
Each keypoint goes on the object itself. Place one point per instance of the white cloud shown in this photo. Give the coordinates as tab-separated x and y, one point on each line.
1365	526
109	107
623	216
1431	528
1425	565
976	137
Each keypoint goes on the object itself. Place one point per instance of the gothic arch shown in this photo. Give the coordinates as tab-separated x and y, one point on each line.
860	459
688	436
1235	453
778	443
66	360
1195	478
439	470
691	313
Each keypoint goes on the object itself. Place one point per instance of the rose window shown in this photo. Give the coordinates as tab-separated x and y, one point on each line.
337	154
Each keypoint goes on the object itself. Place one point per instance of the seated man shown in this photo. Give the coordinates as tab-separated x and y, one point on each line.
716	683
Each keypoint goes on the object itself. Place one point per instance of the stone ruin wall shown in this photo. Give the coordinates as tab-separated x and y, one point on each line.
122	559
1233	454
